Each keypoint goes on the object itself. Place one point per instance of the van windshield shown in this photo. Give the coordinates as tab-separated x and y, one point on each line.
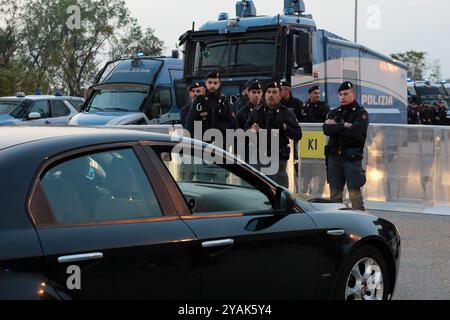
113	100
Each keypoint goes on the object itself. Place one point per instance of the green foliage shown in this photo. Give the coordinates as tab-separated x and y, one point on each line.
56	52
416	62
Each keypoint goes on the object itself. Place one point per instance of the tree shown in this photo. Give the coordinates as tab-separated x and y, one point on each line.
435	71
415	62
60	53
135	40
9	29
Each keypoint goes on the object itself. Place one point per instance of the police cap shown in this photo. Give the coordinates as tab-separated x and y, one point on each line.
213	75
255	85
285	84
248	83
195	85
272	84
313	88
346	86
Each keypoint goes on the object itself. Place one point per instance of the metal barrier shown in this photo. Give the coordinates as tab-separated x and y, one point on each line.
405	165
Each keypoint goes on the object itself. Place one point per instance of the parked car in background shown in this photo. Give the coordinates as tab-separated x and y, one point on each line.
38	109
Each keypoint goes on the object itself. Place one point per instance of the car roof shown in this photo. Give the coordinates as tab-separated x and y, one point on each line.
18	135
39	97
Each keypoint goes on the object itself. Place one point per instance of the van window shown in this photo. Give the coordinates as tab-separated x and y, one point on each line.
163	97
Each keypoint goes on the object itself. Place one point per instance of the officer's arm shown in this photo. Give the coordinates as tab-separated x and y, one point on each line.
192	116
231	119
299	110
332	129
324	111
359	127
293	129
250	121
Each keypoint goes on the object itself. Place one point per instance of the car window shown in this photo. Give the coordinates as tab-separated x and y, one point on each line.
102	186
41	107
59	109
212	188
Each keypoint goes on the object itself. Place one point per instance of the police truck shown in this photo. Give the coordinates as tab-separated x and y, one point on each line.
290	47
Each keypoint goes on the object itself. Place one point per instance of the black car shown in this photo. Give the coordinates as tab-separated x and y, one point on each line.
106	214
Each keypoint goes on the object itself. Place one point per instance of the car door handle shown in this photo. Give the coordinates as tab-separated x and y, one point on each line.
47	122
218	243
80	257
336	232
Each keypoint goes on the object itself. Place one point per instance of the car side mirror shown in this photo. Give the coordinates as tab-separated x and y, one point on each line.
34	116
156	110
284	201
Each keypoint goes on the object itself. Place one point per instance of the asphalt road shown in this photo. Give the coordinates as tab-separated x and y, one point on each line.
425	260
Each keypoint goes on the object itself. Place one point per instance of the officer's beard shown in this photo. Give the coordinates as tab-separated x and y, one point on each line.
213	93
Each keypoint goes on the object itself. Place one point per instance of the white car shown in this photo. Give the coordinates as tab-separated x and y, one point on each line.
38	110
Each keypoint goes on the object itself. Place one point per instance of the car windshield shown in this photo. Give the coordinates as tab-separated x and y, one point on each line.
117	100
7	106
236	55
21	111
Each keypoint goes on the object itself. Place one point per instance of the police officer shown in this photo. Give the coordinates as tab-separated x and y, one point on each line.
255	92
347	128
195	90
440	113
272	115
426	115
211	110
314	110
243	99
290	101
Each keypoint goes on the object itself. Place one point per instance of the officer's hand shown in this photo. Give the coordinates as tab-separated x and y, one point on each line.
255	127
330	121
203	114
285	126
348	124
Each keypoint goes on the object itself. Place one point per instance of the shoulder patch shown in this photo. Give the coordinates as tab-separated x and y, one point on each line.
364	114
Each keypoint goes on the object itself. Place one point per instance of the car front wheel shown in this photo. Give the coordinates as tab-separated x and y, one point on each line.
364	277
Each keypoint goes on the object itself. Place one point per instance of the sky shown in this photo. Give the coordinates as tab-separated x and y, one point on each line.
387	26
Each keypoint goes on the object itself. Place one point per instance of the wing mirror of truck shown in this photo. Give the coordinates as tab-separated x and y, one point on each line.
284	201
156	110
34	116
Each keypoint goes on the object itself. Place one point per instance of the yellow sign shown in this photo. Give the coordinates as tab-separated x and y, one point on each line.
312	145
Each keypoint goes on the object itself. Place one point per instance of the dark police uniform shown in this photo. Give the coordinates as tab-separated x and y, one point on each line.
185	110
315	112
293	104
242	118
218	113
273	120
345	149
246	110
213	112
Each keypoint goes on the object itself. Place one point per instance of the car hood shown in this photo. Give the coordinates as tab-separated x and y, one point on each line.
6	119
107	118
